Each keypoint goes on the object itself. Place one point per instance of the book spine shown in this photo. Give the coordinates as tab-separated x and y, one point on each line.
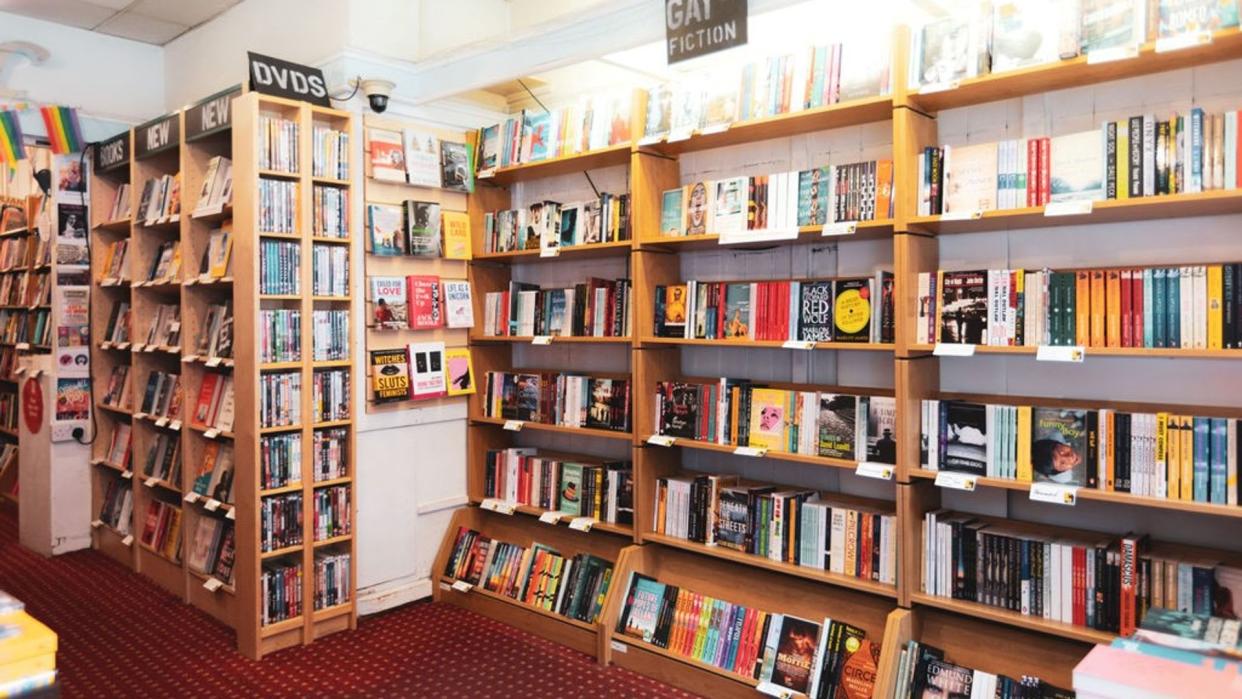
1110	159
1136	156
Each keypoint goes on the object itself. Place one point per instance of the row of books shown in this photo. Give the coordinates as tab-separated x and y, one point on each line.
214	478
994	37
278	206
161	199
740	412
536	575
330	513
779	201
122	203
16	254
216	407
570	400
595	121
115	263
418	228
332	579
807	78
858	309
165	264
280	590
330	396
330	212
550	225
330	457
329	270
29	289
280	399
923	670
280	460
117	330
165	329
594	308
161	531
119	446
280	335
1161	454
1190	307
420	371
17	326
280	518
280	267
117	505
789	525
785	653
164	459
162	397
420	302
278	144
217	189
419	158
330	335
329	153
217	341
1091	580
213	549
582	487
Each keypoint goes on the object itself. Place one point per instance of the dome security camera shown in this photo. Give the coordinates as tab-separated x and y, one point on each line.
377	92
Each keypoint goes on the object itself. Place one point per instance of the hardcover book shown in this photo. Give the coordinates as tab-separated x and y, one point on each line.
388	306
1077	166
768	418
426	306
459	370
569	494
851	310
815	312
737	311
219	250
1178	17
387	156
421	163
966	438
679	410
455	171
970	181
643	606
698	208
882	429
390	376
838	418
964	305
458	307
1059	445
384	227
729	206
796	641
426	363
1024	33
456	235
422	222
946	51
814	196
672	212
1111	23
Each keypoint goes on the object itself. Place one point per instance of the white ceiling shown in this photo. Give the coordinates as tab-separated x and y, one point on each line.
150	21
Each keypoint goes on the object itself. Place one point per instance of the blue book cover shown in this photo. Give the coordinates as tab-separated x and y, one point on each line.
1202	450
1148	330
671	212
813	196
1160	311
1173	307
1219	461
1196	150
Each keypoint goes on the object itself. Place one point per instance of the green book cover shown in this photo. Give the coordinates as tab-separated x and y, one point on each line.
813	196
571	489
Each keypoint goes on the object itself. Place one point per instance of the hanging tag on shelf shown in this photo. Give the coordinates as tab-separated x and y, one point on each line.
956	481
799	344
541	340
150	482
127	474
1060	353
582	524
128	540
1078	207
1183	41
231	514
953	349
514	425
214	361
661	440
1054	493
1114	53
212	433
96	523
462	586
551	517
840	228
212	505
550	252
191	497
212	584
871	469
961	215
618	647
750	451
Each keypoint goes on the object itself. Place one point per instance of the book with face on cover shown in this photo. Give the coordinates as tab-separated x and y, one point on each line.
388	303
768	418
1059	445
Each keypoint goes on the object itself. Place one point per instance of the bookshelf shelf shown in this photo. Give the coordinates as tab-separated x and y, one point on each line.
1005	616
539	426
277	553
291	488
777	455
332	482
552	339
332	612
590	160
769	344
577	252
1152	352
224	214
277	174
120	225
333	540
609	527
283	626
865	230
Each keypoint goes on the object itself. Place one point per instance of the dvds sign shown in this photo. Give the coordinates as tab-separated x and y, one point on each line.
272	76
700	27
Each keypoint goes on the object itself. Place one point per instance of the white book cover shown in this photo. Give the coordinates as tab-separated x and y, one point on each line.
1149	154
924	308
1077	167
1024	33
1231	150
729	197
422	158
970	178
1186	308
1199	295
458	308
426	369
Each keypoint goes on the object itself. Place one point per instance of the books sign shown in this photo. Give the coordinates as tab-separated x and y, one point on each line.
113	152
699	27
272	76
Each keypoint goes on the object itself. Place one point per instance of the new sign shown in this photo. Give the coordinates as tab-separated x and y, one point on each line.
210	115
698	27
272	76
157	135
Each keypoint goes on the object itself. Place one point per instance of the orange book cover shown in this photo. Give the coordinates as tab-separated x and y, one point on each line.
883	189
1109	451
1097	308
858	673
1112	312
1082	309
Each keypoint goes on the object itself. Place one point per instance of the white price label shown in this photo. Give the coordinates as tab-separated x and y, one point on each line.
758	236
127	474
190	358
214	361
140	346
1115	53
231	514
541	340
675	136
174	326
128	540
933	88
175	425
514	425
1054	493
582	524
840	228
122	345
774	690
1183	41
23	345
484	174
618	647
1077	207
205	278
717	128
1060	353
799	344
212	505
19	371
462	586
504	508
445	586
150	482
956	481
191	281
191	497
648	140
870	469
106	344
140	416
150	348
750	451
212	584
162	422
550	517
96	523
961	215
661	440
212	433
550	252
953	349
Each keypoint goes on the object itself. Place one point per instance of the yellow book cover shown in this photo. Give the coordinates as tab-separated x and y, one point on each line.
1107	423
735	395
851	540
219	248
25	668
1187	457
107	261
456	235
458	371
1123	159
390	376
700	631
768	418
1024	444
33	640
1112	312
1215	309
1082	309
1162	447
661	507
1097	308
1173	456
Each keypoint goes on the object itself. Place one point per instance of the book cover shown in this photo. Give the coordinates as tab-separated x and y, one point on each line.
729	206
768	418
459	370
964	307
426	364
643	604
882	429
388	305
387	156
795	652
458	307
679	409
815	311
737	311
455	171
1077	166
966	438
944	679
838	419
385	229
422	228
569	493
970	180
698	208
390	376
1178	17
219	250
570	231
520	397
866	71
426	306
945	54
456	235
814	196
1111	23
489	148
858	669
1059	445
659	111
421	163
536	133
1024	33
603	400
851	310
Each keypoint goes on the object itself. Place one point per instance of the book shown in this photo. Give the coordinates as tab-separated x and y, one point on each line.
946	51
387	155
426	363
795	650
426	303
390	376
422	228
422	165
219	250
389	310
1025	33
456	226
385	230
459	371
1111	23
1180	17
698	208
1059	446
963	310
671	212
815	303
814	196
970	181
965	439
455	171
1077	166
851	310
458	306
838	420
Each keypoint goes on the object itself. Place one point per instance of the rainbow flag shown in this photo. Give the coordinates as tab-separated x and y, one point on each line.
63	130
11	148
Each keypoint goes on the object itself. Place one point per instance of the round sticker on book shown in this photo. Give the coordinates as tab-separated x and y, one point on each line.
853	309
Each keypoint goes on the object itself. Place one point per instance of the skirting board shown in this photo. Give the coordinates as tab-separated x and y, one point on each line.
392	594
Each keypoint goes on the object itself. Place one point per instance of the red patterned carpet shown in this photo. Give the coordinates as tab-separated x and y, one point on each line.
121	636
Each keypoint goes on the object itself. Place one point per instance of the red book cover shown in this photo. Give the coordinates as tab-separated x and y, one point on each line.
1080	577
1032	170
692	623
1045	167
426	304
786	290
1129	580
1013	305
1136	307
206	396
1127	311
864	546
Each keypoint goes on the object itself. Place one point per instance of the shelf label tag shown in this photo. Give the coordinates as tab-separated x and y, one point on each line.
1060	353
212	584
127	474
97	462
618	647
140	416
231	514
191	497
953	349
1055	493
1076	207
675	136
1115	53
212	433
128	540
717	128
871	469
191	281
23	346
122	345
514	425
956	481
541	340
205	278
550	252
190	358
150	482
648	140
175	425
19	371
504	508
212	505
840	228
799	344
758	236
582	524
214	361
484	174
1183	41
162	422
933	88
150	348
462	586
106	344
551	517
96	523
750	451
445	586
774	690
961	215
661	440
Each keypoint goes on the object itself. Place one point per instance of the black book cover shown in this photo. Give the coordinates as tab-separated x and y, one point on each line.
1110	160
1136	157
966	444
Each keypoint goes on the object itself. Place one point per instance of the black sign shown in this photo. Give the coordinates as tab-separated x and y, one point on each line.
112	153
211	115
272	76
157	136
698	27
